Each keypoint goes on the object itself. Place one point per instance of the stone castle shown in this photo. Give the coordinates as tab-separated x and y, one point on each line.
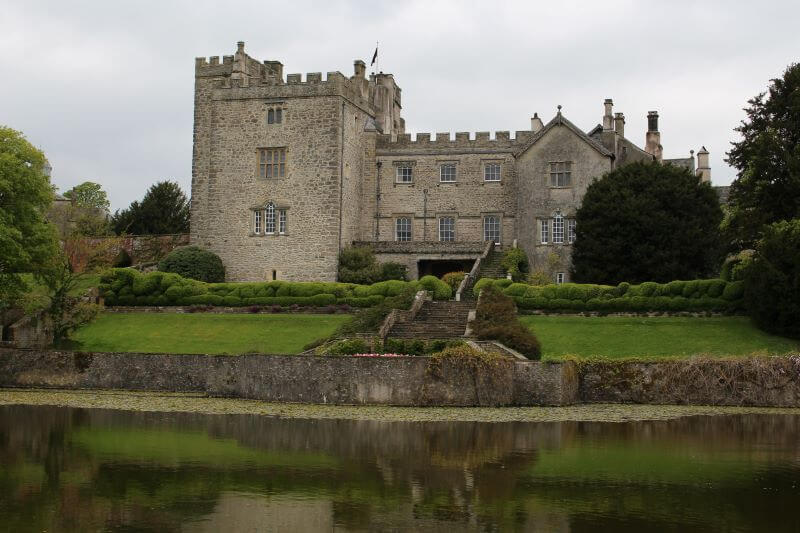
287	171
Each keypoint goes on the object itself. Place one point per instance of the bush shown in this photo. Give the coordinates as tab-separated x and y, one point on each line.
122	259
772	282
194	263
454	279
496	319
391	270
439	289
358	265
515	261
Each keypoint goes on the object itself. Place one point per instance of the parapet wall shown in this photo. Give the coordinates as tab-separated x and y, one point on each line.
466	141
408	381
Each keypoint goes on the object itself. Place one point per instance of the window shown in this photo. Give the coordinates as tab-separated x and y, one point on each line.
447	229
491	172
491	228
403	229
257	221
571	230
404	174
545	237
272	162
559	277
269	219
274	115
447	173
282	221
560	173
558	229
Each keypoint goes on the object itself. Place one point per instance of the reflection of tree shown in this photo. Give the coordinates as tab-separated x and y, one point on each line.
67	469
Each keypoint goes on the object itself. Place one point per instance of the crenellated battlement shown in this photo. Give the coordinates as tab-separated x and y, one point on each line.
502	140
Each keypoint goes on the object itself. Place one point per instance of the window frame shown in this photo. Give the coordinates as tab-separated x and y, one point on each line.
571	233
400	169
257	215
544	233
272	160
406	232
282	221
447	220
486	173
560	278
269	219
560	174
499	223
441	172
558	228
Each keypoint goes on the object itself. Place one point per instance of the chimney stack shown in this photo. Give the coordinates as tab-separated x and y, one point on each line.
619	124
359	68
536	123
703	167
608	120
652	144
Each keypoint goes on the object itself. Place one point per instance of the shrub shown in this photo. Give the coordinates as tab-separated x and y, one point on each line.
496	318
358	265
392	270
733	290
195	263
772	282
439	289
122	259
344	347
515	261
454	279
735	267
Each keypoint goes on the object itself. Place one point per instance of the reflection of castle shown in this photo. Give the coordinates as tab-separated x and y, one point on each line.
287	171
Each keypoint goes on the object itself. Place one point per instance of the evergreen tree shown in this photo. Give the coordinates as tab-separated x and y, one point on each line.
767	158
164	209
647	222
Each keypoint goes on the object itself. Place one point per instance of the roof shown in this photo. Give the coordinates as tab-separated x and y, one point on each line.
685	162
560	120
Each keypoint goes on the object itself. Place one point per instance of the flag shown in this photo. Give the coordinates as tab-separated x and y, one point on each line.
374	56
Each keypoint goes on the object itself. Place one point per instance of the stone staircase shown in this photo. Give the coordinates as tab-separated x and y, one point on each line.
491	268
436	320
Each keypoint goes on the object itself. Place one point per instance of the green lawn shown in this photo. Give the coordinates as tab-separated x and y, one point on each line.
204	333
648	338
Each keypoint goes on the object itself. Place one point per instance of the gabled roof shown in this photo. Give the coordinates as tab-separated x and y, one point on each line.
560	120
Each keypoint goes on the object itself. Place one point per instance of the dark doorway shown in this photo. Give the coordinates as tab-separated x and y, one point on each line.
440	267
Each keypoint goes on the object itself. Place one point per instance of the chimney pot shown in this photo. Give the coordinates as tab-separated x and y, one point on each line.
652	121
536	123
619	124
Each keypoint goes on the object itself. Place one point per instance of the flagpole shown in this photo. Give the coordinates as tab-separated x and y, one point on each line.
377	59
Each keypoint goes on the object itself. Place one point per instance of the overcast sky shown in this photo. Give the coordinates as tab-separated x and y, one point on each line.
105	88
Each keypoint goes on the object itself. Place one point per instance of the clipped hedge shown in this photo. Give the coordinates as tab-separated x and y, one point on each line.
676	296
125	286
195	263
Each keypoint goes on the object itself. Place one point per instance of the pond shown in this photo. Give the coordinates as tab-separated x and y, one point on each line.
75	469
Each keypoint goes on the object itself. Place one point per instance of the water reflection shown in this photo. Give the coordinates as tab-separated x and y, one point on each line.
65	469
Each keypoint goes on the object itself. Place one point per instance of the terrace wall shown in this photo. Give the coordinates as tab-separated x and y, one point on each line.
406	381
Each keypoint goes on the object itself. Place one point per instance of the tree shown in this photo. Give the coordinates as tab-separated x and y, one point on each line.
27	241
772	280
647	222
67	312
767	159
164	209
88	195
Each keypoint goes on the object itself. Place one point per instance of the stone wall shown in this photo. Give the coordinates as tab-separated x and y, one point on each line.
760	381
101	251
292	378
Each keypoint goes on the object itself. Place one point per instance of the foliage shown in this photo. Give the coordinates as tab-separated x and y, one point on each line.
545	274
735	266
647	221
164	209
370	319
122	259
675	296
772	283
454	279
88	195
27	242
767	159
195	263
515	261
437	287
126	286
66	311
357	264
496	318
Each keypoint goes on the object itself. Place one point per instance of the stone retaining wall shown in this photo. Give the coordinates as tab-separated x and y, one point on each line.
408	381
293	378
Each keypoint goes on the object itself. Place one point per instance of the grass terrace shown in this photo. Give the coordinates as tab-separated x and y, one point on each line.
200	333
612	337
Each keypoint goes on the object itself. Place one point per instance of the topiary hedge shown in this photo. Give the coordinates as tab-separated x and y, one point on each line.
195	263
496	319
676	296
125	286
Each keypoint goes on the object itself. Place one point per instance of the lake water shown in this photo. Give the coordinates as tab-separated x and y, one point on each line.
67	469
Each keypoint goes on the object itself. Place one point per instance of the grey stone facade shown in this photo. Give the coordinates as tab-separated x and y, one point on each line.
346	150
